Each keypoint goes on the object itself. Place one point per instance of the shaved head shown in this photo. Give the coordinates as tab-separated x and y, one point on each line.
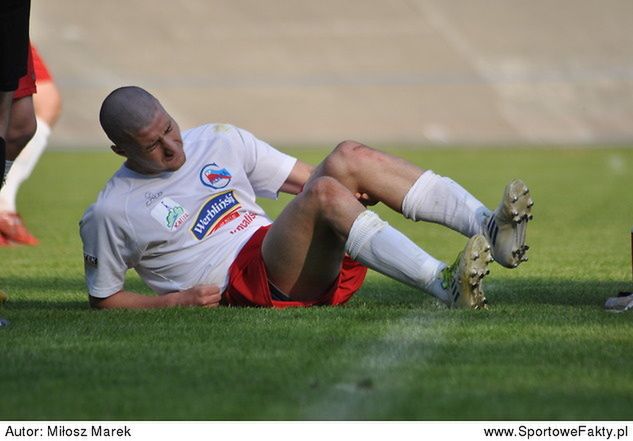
125	111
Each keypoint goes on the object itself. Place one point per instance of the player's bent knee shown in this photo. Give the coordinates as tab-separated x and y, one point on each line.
326	191
343	160
348	147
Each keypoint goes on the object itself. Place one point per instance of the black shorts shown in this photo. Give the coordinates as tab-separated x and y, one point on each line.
14	42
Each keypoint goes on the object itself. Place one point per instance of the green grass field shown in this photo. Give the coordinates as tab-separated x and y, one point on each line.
545	350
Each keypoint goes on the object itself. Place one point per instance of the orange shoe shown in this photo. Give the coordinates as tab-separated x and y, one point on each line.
12	228
4	242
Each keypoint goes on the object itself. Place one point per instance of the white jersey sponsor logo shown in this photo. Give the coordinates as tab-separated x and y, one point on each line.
170	214
216	211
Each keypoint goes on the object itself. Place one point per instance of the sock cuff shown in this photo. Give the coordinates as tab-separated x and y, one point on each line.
366	225
419	187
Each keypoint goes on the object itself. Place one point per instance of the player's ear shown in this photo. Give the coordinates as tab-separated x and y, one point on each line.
118	150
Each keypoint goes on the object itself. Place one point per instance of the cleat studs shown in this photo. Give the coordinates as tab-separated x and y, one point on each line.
526	190
530	216
514	212
530	203
487	248
514	199
487	272
524	258
514	265
526	247
475	255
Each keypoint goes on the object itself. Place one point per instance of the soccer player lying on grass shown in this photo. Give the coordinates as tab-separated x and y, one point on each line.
181	211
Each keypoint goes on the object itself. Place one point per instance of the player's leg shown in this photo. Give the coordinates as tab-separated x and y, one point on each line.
23	167
418	194
21	130
304	248
425	196
47	102
22	117
14	37
47	105
6	98
22	127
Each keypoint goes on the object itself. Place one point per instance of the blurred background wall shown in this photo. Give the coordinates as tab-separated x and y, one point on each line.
385	72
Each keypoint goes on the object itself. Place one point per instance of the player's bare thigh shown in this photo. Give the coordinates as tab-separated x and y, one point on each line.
304	248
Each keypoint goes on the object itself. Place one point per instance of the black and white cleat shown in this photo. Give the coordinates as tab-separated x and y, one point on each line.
506	228
463	279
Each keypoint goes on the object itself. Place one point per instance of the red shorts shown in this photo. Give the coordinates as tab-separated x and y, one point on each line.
248	280
26	85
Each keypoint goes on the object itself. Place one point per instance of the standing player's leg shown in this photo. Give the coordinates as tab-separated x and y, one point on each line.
26	160
23	124
14	45
425	196
47	105
14	54
6	98
21	131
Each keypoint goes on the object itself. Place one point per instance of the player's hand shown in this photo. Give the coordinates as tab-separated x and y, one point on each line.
207	296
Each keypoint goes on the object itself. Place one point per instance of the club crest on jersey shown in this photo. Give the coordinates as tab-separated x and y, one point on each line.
215	177
170	214
216	212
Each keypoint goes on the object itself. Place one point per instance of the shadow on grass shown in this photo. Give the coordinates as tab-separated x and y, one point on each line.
49	305
70	293
52	292
505	291
554	292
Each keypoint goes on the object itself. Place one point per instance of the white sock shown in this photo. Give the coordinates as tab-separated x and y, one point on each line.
23	167
435	198
377	245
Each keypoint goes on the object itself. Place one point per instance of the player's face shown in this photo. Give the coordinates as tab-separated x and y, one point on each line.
157	147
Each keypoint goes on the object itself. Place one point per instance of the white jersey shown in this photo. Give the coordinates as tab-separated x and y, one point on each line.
184	228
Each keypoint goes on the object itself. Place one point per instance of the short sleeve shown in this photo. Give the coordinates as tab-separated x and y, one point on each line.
266	167
106	252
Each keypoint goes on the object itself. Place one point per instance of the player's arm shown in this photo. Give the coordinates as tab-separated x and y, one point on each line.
207	296
297	178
